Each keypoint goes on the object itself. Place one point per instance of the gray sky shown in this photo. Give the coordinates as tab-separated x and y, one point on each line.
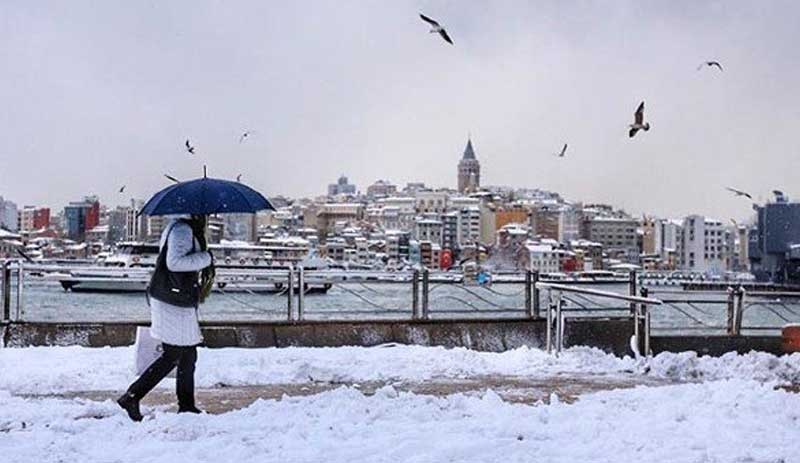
99	94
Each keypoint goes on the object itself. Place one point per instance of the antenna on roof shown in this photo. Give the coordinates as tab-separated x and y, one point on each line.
205	171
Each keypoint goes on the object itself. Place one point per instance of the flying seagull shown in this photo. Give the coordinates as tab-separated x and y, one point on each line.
122	190
735	223
710	64
638	121
436	28
172	178
24	256
563	151
189	147
739	192
246	134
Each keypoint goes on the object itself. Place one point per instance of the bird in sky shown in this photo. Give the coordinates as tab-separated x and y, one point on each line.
24	256
245	134
709	64
239	178
122	190
562	153
638	121
739	192
172	178
189	147
735	223
436	28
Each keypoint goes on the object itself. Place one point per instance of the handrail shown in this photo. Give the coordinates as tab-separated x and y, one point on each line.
595	292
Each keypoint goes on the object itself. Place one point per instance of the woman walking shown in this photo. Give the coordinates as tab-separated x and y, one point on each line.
182	279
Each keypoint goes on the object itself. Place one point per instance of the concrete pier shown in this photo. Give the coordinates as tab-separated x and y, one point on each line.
610	334
495	335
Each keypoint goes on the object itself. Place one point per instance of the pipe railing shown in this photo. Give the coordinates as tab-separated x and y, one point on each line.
555	318
475	299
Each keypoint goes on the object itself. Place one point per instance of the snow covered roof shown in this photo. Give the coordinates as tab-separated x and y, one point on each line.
5	234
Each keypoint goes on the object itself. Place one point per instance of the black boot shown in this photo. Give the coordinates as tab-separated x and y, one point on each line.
191	409
130	404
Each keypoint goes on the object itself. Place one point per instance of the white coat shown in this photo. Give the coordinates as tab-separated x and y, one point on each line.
178	326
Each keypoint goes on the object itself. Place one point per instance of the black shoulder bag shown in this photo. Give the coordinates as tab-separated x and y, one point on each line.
180	289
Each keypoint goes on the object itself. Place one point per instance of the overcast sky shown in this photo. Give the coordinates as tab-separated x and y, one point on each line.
100	94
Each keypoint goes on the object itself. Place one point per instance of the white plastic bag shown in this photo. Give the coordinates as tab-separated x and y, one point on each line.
148	349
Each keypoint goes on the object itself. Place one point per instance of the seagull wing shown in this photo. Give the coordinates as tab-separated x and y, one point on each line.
239	178
446	37
24	256
564	150
122	189
188	146
715	63
244	135
632	132
172	178
429	20
638	116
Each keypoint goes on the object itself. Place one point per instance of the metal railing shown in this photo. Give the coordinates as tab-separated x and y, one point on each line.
555	316
293	284
419	295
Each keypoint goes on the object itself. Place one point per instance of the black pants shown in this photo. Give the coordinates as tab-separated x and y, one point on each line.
182	357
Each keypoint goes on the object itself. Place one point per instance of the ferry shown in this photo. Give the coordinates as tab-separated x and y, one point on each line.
101	280
241	267
277	253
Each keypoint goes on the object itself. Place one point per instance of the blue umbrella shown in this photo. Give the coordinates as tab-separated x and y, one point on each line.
206	196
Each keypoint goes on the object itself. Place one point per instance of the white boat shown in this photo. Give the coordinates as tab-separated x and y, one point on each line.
101	280
276	253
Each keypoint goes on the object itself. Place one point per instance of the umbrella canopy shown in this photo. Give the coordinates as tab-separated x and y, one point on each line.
206	196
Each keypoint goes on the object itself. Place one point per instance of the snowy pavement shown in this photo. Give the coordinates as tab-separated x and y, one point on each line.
690	409
518	389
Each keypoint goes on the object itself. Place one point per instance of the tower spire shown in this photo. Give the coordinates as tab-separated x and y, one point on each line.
469	169
469	153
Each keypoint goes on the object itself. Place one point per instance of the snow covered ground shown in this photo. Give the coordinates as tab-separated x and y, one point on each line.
41	370
731	411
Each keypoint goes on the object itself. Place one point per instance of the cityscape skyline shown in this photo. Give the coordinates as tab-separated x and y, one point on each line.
106	95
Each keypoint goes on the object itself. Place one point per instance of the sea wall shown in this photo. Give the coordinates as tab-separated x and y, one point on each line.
609	334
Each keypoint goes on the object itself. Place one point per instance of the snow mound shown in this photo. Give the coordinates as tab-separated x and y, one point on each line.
42	370
758	366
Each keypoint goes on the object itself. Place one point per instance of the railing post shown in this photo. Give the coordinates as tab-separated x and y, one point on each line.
415	295
559	324
425	279
632	288
301	292
6	279
637	330
528	294
290	295
737	325
647	350
646	312
536	312
731	311
549	331
20	288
